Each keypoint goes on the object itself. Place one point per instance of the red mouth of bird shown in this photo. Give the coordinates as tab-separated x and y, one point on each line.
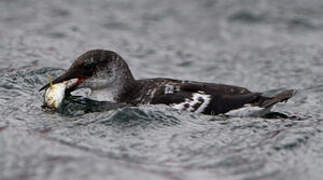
73	83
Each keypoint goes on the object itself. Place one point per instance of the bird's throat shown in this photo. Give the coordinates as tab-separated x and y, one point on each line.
105	94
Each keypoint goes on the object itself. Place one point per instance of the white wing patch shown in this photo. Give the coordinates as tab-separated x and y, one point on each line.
171	89
152	93
197	103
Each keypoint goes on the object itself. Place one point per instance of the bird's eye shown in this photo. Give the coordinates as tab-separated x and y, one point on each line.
88	66
88	69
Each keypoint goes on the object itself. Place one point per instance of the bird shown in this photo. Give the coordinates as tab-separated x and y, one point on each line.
109	78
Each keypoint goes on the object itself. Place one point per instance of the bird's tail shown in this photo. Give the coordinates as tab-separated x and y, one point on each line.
280	97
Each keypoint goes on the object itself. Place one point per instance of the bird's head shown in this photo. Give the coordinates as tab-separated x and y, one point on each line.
95	69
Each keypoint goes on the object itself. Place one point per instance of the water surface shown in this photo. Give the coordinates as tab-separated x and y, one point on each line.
262	45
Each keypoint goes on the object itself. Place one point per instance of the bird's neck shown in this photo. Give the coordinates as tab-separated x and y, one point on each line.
122	88
118	94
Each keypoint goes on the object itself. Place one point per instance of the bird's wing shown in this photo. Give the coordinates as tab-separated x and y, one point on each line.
204	98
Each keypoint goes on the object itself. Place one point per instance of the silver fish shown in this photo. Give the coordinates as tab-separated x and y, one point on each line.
54	95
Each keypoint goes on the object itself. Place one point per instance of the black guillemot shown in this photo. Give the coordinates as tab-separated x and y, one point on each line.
110	79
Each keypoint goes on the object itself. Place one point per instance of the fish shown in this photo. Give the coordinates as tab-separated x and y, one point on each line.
54	94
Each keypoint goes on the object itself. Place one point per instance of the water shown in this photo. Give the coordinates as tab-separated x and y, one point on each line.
262	45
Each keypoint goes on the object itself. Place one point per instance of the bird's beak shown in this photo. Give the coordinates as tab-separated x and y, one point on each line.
71	80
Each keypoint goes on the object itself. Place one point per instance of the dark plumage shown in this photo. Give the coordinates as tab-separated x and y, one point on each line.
110	79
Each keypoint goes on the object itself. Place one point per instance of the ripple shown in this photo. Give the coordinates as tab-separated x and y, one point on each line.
256	44
247	17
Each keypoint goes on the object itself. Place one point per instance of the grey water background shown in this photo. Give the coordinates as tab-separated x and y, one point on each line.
259	44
